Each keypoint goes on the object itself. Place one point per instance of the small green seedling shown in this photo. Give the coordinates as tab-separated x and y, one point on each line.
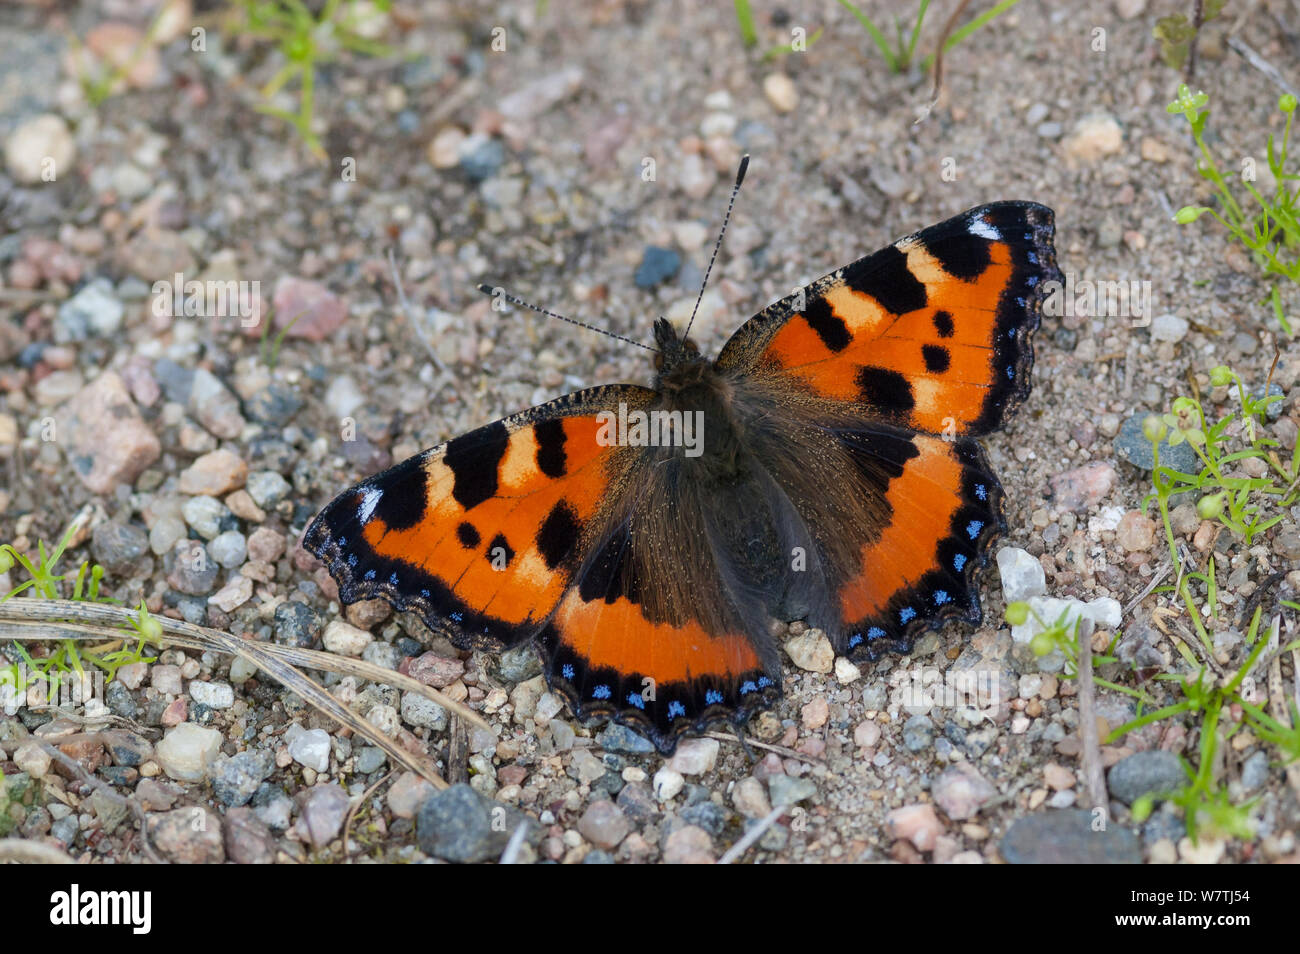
1272	233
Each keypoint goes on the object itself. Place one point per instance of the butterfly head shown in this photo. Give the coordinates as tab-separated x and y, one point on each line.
674	352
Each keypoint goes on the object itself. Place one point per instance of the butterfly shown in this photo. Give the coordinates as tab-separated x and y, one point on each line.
823	467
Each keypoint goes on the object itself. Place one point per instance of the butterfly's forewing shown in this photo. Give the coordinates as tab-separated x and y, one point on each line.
481	535
932	333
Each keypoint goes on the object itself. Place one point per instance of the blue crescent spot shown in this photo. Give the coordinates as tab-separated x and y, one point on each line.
1031	281
875	632
1020	301
392	579
676	709
713	697
1033	258
973	528
981	492
1011	373
855	640
458	616
567	671
941	597
600	692
747	687
958	562
764	682
370	574
352	559
634	699
424	593
907	614
342	543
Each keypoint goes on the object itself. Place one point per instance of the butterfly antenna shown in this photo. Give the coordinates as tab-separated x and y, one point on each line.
501	293
740	177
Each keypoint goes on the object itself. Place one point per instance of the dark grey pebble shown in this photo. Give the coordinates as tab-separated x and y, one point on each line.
460	825
1145	772
657	266
1131	445
619	738
238	778
1067	837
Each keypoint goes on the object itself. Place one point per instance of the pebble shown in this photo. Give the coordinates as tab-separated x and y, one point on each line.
846	672
166	679
265	545
1274	409
706	815
519	664
1169	328
214	405
695	756
437	671
422	712
460	825
1255	771
1067	837
94	311
1021	574
33	760
1131	445
314	310
309	747
345	639
228	549
204	515
780	92
248	840
118	547
1145	772
788	790
1136	532
37	144
815	713
370	759
667	783
603	824
274	405
108	441
619	738
188	836
811	651
296	624
750	798
323	810
1094	137
481	156
408	793
961	791
214	695
1083	487
215	473
187	750
1104	612
918	733
444	148
235	779
658	265
867	734
689	845
917	824
267	488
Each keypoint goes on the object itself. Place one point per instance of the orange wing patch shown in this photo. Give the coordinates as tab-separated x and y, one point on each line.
482	534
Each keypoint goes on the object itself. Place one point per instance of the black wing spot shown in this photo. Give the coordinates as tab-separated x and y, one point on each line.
886	389
558	534
943	324
551	457
498	545
403	495
830	327
475	461
936	358
961	254
468	536
886	278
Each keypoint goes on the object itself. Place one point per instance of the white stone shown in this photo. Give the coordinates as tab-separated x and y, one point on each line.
310	747
1022	574
344	639
215	695
695	756
811	651
41	147
846	672
187	750
667	783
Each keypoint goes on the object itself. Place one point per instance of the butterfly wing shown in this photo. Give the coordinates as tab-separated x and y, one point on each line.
932	333
480	536
880	375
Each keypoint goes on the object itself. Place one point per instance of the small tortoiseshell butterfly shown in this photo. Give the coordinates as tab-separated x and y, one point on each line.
823	467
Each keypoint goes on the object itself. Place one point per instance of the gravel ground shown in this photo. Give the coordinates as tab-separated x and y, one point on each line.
527	167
